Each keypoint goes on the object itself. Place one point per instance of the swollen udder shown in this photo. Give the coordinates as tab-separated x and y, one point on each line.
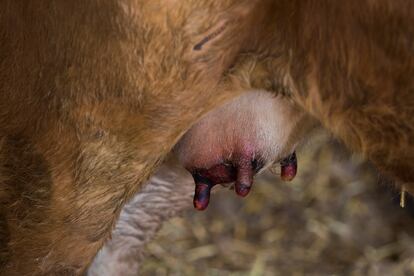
236	141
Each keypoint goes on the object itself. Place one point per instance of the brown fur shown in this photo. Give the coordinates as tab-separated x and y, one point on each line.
352	107
93	94
351	65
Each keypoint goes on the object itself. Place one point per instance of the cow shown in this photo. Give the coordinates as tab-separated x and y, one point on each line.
95	94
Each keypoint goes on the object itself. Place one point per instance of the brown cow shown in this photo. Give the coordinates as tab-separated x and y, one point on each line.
349	64
94	94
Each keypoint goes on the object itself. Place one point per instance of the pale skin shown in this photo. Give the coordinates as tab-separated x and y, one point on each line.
239	139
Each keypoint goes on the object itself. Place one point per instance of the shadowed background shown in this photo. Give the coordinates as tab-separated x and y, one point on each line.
338	216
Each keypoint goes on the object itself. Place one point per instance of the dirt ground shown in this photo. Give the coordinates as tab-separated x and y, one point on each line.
338	217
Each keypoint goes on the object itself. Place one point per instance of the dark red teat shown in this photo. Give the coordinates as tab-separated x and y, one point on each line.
206	179
202	192
289	167
241	173
244	181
